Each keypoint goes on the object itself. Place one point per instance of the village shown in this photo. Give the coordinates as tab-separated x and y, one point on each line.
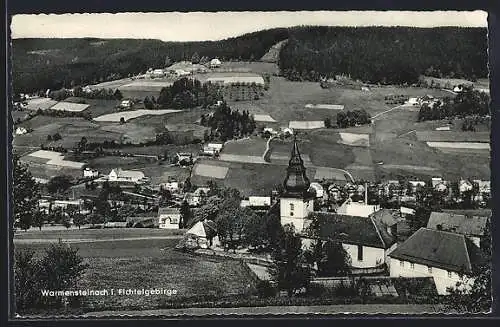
232	183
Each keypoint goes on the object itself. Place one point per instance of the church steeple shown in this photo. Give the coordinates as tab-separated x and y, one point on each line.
296	183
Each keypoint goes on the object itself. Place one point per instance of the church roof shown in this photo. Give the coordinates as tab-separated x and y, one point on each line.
296	183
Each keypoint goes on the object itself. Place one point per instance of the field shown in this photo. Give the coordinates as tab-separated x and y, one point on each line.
450	136
263	118
69	106
105	164
53	159
97	107
306	124
325	106
131	132
163	173
144	258
211	171
128	115
355	139
250	147
40	103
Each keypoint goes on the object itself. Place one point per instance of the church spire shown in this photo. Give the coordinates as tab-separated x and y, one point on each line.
296	183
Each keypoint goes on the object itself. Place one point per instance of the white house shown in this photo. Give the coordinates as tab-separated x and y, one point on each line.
169	218
474	227
317	189
443	128
90	173
358	209
172	186
287	131
437	254
21	131
217	146
484	186
203	234
367	241
126	104
270	130
119	175
215	63
413	101
464	186
157	73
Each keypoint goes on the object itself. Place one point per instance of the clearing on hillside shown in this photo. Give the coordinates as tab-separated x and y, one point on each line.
127	115
211	171
325	106
355	139
40	103
69	106
312	124
263	118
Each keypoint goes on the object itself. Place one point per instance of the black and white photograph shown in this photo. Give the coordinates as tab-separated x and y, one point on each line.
250	163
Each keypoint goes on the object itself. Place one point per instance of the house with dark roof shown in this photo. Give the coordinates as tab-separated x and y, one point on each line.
168	218
442	255
474	227
365	239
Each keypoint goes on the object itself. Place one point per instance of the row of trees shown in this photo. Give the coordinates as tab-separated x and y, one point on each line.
469	102
352	118
78	62
227	124
189	93
386	55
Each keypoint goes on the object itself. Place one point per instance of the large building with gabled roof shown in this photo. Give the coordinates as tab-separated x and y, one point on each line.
442	255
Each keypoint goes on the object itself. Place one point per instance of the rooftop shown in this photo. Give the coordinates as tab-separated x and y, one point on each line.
354	230
462	224
445	250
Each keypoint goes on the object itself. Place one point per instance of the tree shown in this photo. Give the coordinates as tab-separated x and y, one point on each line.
187	185
26	195
289	269
38	219
328	122
186	214
61	268
122	120
26	281
168	61
66	221
118	95
56	137
330	258
195	59
59	184
79	220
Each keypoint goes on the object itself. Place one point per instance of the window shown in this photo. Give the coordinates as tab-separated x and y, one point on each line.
291	206
412	265
360	253
429	270
401	263
450	274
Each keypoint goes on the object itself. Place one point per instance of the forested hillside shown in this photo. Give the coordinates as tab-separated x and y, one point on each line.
387	55
53	63
372	54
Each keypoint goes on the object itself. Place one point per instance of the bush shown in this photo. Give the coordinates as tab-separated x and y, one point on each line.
265	289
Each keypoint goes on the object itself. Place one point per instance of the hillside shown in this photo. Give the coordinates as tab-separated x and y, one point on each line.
274	53
40	64
386	55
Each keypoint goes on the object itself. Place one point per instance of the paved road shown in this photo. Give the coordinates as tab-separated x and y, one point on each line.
280	310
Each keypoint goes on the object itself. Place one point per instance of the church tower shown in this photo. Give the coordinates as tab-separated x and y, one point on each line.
296	201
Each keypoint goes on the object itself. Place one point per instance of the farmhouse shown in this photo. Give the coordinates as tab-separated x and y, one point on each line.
172	186
438	254
474	227
119	175
359	209
483	186
257	202
90	173
366	240
184	158
168	218
21	131
157	73
464	186
215	63
126	104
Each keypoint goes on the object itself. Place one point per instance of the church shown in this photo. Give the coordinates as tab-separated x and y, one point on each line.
367	240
